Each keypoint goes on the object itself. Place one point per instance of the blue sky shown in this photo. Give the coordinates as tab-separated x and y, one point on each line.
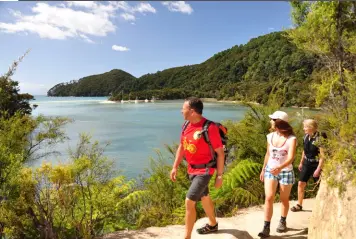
70	40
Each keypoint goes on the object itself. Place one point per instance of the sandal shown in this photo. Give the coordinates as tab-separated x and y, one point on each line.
207	229
296	208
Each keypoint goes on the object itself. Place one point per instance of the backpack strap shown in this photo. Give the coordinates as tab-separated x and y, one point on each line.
185	125
205	133
206	136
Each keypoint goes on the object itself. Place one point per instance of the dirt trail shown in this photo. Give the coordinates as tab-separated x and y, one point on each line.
245	225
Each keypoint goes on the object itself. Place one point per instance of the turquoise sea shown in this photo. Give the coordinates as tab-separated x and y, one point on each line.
133	130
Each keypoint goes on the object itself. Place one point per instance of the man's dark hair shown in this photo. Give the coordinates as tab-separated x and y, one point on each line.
196	104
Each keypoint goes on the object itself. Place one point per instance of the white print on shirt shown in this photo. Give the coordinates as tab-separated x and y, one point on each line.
278	154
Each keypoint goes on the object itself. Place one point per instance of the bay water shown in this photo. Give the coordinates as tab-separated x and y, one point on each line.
133	130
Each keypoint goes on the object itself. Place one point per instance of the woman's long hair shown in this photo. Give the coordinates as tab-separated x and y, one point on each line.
283	127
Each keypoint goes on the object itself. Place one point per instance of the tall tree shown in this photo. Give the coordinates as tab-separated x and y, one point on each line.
328	29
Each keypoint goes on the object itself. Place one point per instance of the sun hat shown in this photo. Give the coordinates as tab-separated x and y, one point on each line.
279	115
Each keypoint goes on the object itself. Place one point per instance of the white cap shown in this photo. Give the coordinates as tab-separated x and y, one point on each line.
279	115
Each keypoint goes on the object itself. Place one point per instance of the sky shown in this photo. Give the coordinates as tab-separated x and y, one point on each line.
70	40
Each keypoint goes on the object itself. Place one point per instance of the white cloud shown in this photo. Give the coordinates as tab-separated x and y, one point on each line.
43	30
61	5
178	6
144	7
75	19
85	4
123	6
271	28
14	13
119	48
128	17
85	38
59	23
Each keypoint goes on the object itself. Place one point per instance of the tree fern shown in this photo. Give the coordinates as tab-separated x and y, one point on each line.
237	176
235	191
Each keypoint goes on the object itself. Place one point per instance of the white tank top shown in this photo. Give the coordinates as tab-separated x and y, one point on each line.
278	155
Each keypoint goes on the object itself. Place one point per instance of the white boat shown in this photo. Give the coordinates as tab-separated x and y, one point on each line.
136	100
122	97
146	100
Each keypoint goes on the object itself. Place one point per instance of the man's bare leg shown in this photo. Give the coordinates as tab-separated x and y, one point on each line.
190	217
209	209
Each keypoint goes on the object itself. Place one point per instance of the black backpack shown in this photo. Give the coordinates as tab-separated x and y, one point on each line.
223	135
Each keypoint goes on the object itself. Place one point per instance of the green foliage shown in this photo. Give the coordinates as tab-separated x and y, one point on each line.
340	166
328	30
299	11
164	200
248	137
46	132
21	137
96	85
13	133
76	200
329	22
11	101
233	194
246	72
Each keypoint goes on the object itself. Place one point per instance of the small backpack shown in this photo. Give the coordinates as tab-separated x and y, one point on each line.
223	135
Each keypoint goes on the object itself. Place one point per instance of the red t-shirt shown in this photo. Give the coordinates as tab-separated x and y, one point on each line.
196	150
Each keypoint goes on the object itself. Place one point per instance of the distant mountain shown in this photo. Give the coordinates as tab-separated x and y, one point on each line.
247	72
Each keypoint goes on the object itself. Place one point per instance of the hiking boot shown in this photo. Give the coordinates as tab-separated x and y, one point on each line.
264	233
282	226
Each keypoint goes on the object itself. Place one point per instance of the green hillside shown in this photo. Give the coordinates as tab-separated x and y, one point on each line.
244	72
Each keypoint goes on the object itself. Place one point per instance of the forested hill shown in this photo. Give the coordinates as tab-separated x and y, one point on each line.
246	72
95	85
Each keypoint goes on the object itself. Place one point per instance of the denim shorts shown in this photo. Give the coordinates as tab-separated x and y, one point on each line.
284	177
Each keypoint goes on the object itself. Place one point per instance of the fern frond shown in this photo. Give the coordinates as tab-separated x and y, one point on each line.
179	214
242	197
237	177
135	198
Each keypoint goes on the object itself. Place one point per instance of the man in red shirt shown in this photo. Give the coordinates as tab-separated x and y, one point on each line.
197	152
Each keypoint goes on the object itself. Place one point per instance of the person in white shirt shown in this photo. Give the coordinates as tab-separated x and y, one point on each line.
278	168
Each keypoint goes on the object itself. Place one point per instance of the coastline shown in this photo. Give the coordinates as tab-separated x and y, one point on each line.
210	100
214	100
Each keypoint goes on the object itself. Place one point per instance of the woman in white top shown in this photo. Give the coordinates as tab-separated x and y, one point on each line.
277	167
